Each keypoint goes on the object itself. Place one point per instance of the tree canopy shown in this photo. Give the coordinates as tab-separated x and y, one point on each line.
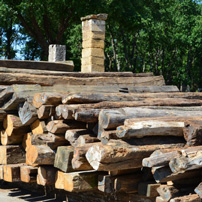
161	36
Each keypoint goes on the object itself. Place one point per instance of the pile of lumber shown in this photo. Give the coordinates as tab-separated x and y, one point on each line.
138	142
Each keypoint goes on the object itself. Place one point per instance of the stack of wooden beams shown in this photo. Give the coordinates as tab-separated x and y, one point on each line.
134	140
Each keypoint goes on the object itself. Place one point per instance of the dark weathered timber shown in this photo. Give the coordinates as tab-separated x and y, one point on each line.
63	158
87	116
41	65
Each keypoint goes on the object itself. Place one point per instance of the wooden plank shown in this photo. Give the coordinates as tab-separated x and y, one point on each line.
42	65
198	190
28	174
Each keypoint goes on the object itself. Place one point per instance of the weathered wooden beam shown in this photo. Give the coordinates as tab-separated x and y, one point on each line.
73	134
40	99
14	138
82	98
40	155
150	128
46	111
41	65
153	89
49	139
38	127
81	181
11	155
46	175
28	174
120	154
61	126
12	172
187	198
167	192
63	158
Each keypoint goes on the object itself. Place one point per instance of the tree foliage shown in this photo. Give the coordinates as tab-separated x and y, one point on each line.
161	36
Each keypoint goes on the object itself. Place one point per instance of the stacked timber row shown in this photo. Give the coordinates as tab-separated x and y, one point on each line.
93	32
90	139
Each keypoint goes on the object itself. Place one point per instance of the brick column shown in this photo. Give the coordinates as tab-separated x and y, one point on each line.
93	32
